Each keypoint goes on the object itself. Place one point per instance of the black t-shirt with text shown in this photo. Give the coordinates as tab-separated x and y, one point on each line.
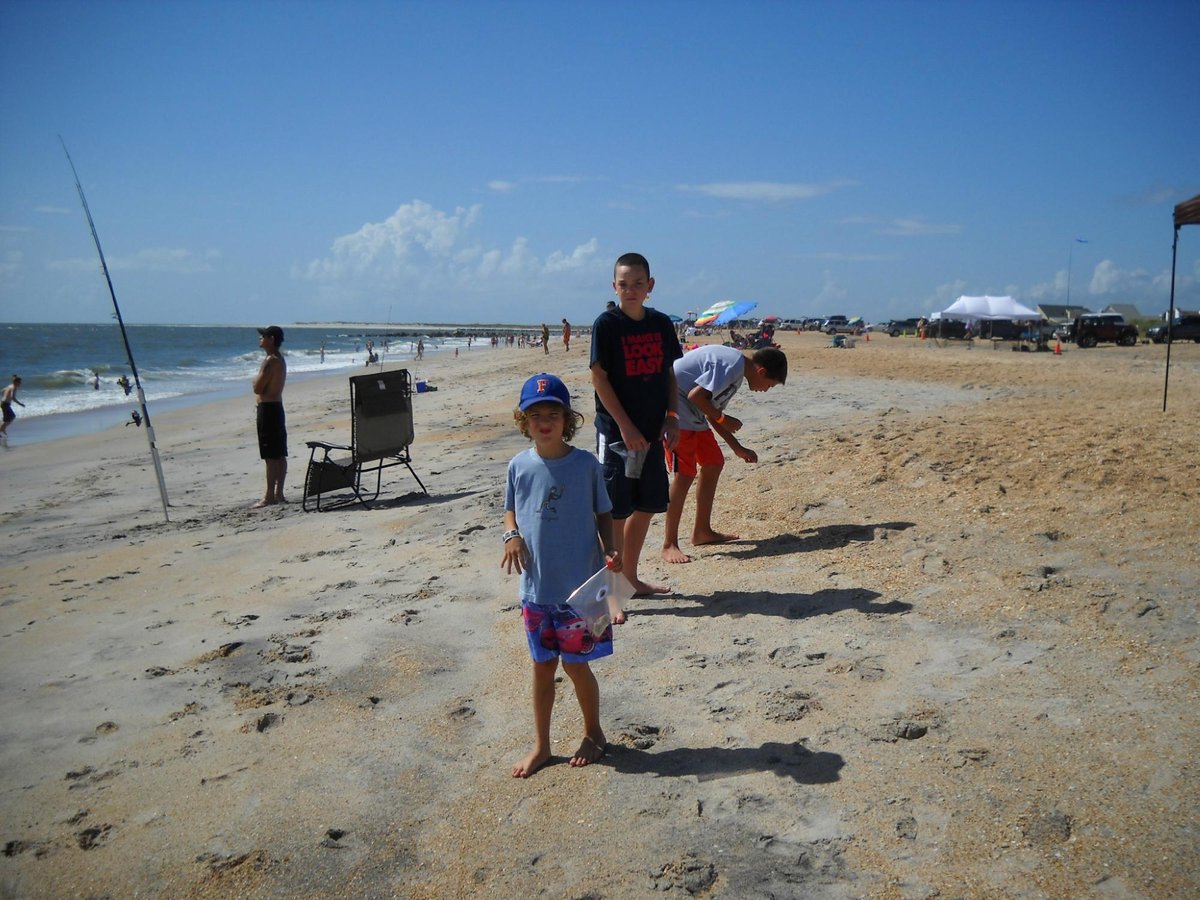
637	356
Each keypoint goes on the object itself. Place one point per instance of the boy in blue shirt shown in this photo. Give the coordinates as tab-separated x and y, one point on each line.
633	349
558	532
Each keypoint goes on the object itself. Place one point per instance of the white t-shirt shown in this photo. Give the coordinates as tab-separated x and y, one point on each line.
719	370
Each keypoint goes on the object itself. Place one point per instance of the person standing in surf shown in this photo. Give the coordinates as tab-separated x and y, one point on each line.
9	398
272	430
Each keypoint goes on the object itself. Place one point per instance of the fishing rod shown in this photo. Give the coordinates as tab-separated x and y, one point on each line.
141	395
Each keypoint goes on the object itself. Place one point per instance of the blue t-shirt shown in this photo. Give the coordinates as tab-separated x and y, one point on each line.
556	502
636	356
719	370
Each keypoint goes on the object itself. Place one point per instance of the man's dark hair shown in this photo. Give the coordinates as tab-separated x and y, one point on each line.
632	259
773	362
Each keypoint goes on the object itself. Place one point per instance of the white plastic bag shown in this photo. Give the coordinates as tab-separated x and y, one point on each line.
600	598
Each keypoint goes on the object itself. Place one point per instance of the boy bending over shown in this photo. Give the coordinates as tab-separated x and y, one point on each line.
708	377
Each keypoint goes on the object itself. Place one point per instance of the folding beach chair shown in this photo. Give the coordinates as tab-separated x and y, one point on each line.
381	431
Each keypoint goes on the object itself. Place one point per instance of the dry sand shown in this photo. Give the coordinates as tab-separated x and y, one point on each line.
953	654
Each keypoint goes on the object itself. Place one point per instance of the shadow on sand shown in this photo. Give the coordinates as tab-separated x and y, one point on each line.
787	606
824	537
793	761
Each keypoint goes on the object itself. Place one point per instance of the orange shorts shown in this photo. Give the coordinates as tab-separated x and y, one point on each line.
694	448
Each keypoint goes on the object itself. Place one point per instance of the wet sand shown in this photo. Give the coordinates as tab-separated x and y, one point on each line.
953	653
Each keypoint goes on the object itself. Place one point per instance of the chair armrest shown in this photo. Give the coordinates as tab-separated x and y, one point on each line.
323	445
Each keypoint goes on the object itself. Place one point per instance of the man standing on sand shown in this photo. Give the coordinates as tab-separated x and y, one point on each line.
272	432
566	335
545	339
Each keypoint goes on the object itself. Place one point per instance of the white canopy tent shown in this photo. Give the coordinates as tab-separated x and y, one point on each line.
971	308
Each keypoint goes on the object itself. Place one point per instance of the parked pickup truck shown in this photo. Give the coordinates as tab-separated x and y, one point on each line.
1186	329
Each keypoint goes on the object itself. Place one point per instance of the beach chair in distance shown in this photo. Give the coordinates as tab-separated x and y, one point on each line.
381	432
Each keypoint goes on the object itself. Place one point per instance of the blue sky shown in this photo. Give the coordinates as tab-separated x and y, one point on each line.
487	162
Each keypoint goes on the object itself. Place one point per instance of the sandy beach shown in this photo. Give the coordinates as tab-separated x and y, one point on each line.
953	653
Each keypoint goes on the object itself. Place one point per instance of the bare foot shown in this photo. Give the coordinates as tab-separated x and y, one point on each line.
589	751
645	589
260	504
699	539
673	554
531	763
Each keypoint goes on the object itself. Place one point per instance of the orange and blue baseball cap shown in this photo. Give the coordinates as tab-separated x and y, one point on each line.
544	388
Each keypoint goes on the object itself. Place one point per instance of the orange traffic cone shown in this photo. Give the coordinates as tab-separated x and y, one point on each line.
1058	348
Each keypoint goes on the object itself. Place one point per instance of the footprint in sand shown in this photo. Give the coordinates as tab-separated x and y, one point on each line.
464	710
93	836
639	736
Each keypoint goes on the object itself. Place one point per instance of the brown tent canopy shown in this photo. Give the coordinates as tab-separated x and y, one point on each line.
1186	213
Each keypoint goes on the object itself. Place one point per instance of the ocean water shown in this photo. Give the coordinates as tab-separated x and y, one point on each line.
69	373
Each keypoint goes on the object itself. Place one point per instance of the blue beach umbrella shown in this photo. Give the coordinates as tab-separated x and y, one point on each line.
725	311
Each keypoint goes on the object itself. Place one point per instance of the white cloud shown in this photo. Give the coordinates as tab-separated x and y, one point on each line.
856	257
830	295
917	228
504	186
945	294
764	191
1109	283
172	260
420	247
54	210
910	226
576	259
1108	278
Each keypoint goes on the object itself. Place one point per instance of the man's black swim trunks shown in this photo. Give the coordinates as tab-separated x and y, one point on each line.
272	434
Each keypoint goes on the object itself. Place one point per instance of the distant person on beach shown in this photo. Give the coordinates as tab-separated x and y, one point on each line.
707	379
566	335
545	339
557	517
7	399
633	352
420	349
123	381
272	429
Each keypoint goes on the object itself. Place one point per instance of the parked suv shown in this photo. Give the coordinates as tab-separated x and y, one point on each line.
897	327
946	328
1186	329
842	325
1104	328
